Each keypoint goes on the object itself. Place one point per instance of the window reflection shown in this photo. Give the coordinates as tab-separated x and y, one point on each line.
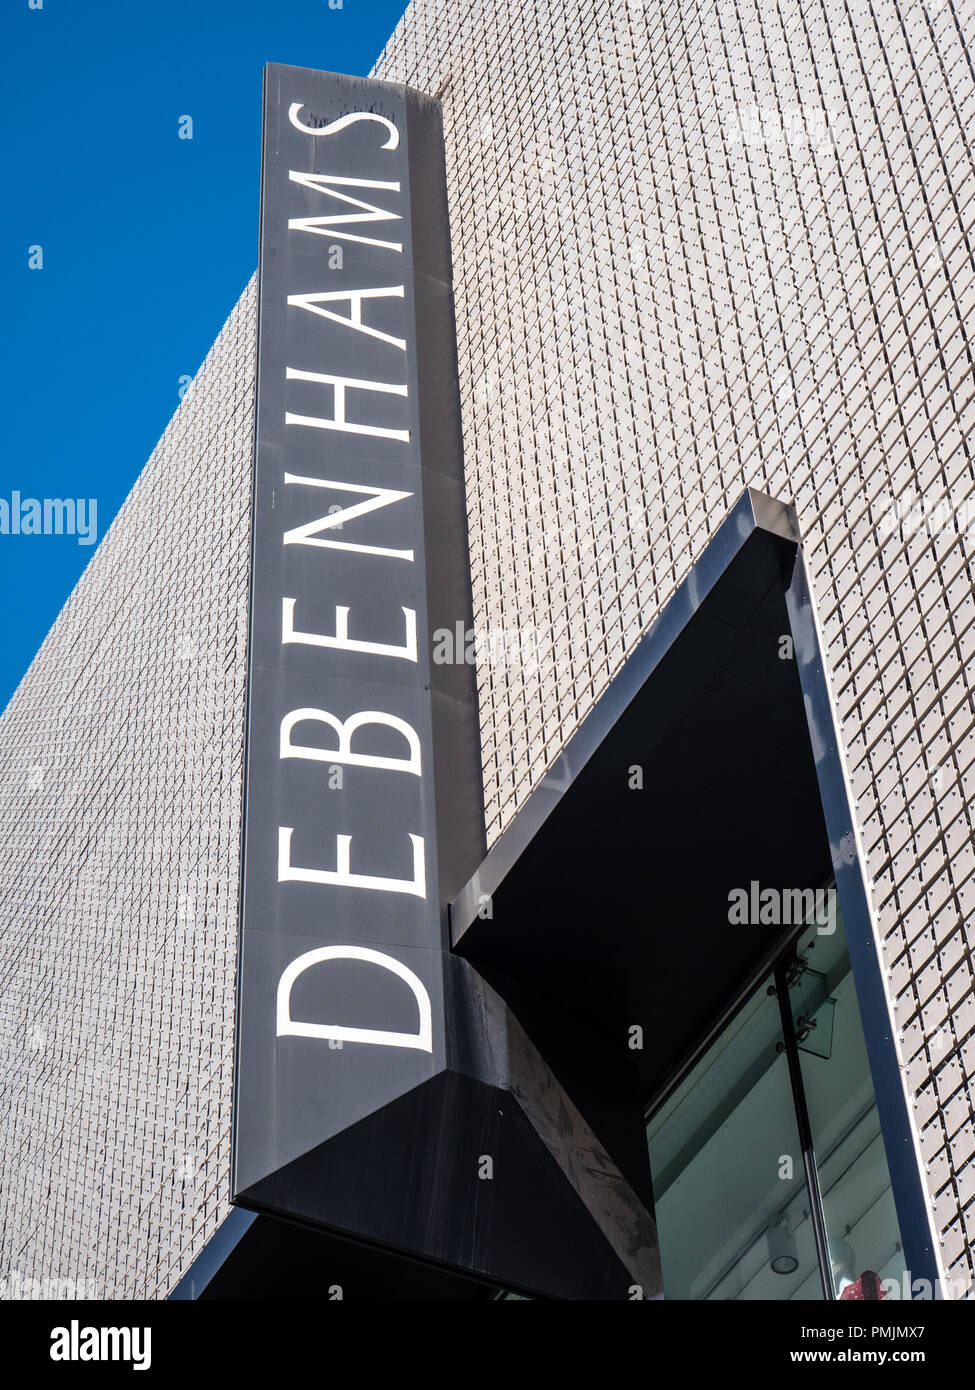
858	1203
727	1170
734	1214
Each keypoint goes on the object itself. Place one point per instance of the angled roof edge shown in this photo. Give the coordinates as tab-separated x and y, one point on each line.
754	512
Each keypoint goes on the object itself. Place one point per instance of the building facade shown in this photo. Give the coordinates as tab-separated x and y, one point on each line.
697	248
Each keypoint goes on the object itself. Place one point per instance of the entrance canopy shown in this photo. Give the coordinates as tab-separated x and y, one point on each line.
692	777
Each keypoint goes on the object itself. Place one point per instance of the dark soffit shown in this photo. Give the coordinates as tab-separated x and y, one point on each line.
609	904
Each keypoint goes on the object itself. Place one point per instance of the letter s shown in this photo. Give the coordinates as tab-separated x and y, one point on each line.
334	126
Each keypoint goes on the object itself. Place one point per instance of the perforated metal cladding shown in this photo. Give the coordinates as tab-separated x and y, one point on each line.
120	762
704	245
696	247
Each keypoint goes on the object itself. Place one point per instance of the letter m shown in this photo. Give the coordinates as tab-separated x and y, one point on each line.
59	516
116	1344
798	905
328	224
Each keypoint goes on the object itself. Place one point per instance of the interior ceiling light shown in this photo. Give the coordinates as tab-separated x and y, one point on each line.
782	1252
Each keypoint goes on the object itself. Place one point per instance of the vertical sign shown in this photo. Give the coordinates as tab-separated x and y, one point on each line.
359	552
383	1088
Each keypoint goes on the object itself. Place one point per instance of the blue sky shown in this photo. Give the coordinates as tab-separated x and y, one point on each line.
147	238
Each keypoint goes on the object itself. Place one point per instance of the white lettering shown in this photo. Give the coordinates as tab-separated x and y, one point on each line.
326	226
354	319
307	534
341	384
342	641
345	729
342	876
422	1039
335	126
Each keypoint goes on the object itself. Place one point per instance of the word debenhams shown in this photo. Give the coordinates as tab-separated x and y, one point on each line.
345	410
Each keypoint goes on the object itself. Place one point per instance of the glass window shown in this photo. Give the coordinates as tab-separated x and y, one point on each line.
769	1170
729	1186
858	1204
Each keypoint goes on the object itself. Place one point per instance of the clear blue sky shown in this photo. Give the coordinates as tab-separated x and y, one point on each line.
147	239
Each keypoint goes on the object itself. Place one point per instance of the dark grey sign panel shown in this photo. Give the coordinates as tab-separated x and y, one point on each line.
358	458
378	1077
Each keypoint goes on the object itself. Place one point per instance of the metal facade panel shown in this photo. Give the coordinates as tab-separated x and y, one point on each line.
121	756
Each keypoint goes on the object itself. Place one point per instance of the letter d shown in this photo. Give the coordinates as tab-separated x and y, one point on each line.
422	1039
